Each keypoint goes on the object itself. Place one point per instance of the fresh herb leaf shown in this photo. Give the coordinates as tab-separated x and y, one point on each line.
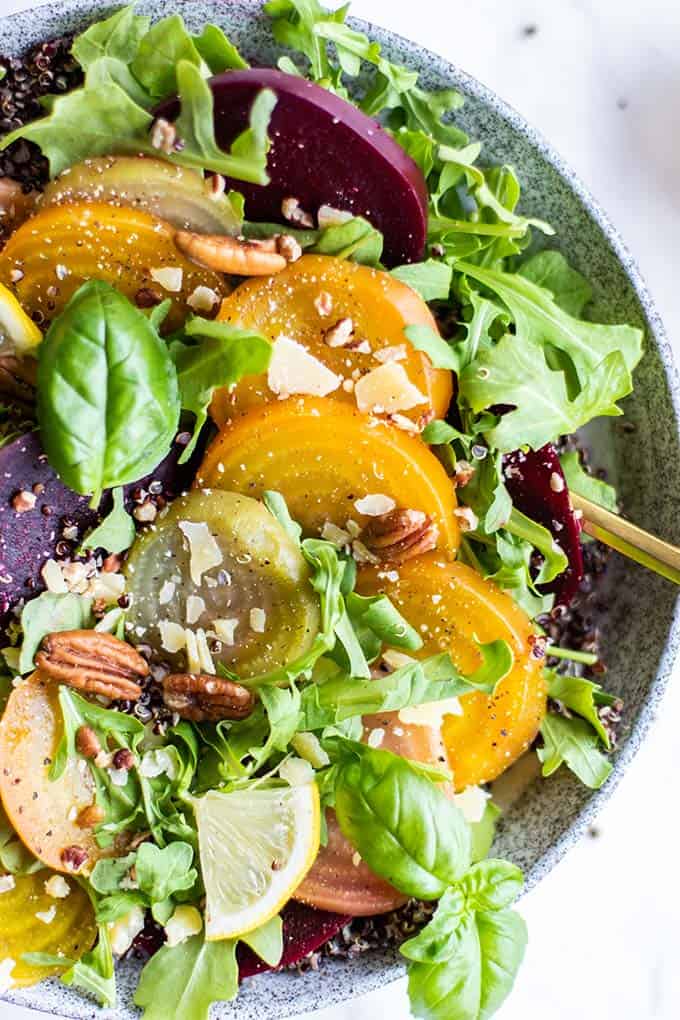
497	661
94	972
484	831
223	356
587	485
116	533
405	829
164	871
573	742
48	614
278	508
555	561
108	402
356	240
182	982
376	615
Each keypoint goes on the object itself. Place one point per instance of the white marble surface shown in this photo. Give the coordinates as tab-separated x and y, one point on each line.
601	79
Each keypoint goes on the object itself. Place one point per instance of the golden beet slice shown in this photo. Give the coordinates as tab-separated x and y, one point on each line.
323	456
305	301
44	813
63	246
339	880
33	921
454	608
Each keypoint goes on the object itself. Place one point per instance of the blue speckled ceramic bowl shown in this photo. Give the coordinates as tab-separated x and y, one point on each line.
641	627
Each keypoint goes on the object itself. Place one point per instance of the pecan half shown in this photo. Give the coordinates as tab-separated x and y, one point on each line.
204	698
233	255
93	662
400	534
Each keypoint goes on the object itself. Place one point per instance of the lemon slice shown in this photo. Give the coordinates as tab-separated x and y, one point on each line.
15	325
256	846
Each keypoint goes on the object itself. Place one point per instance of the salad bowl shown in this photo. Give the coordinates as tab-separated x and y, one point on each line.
637	611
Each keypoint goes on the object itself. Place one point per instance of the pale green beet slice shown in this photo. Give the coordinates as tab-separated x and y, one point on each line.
219	565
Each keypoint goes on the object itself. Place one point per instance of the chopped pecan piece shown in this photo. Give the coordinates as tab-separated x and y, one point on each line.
93	662
204	698
400	534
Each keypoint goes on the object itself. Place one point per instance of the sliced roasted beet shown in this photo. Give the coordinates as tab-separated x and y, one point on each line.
537	486
304	931
324	152
29	538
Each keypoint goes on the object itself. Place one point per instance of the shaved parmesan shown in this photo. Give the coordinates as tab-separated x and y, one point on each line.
387	389
203	549
292	369
173	637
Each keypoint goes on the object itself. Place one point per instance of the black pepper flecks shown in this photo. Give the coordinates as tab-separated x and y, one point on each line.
46	69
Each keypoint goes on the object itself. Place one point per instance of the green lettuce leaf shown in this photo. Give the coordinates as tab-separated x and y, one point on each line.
48	614
587	485
551	271
182	982
573	742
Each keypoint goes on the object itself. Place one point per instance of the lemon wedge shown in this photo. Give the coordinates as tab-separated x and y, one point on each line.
15	324
256	846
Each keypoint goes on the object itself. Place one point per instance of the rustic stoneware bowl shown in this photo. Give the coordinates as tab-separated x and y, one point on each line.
640	626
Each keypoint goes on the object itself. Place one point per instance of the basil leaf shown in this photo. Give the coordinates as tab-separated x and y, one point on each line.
581	696
116	533
437	941
585	484
431	279
491	885
551	271
574	743
182	982
486	950
48	614
108	404
223	355
406	830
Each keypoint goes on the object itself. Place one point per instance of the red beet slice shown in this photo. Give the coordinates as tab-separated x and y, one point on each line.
304	930
28	539
324	152
531	483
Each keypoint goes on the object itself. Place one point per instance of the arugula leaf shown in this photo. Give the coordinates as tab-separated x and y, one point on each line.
159	52
497	661
440	353
554	559
94	972
182	982
585	484
108	873
356	239
405	829
539	320
50	613
247	158
162	872
108	403
217	51
267	941
516	372
379	623
116	532
278	508
581	696
572	742
431	279
342	697
551	271
224	355
15	859
118	36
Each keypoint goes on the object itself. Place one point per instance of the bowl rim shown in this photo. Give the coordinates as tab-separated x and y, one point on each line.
472	87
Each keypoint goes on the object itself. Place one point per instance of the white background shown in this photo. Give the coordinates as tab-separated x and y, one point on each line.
601	79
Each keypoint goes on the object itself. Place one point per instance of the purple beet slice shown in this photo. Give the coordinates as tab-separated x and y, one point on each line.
30	538
324	152
304	931
537	486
